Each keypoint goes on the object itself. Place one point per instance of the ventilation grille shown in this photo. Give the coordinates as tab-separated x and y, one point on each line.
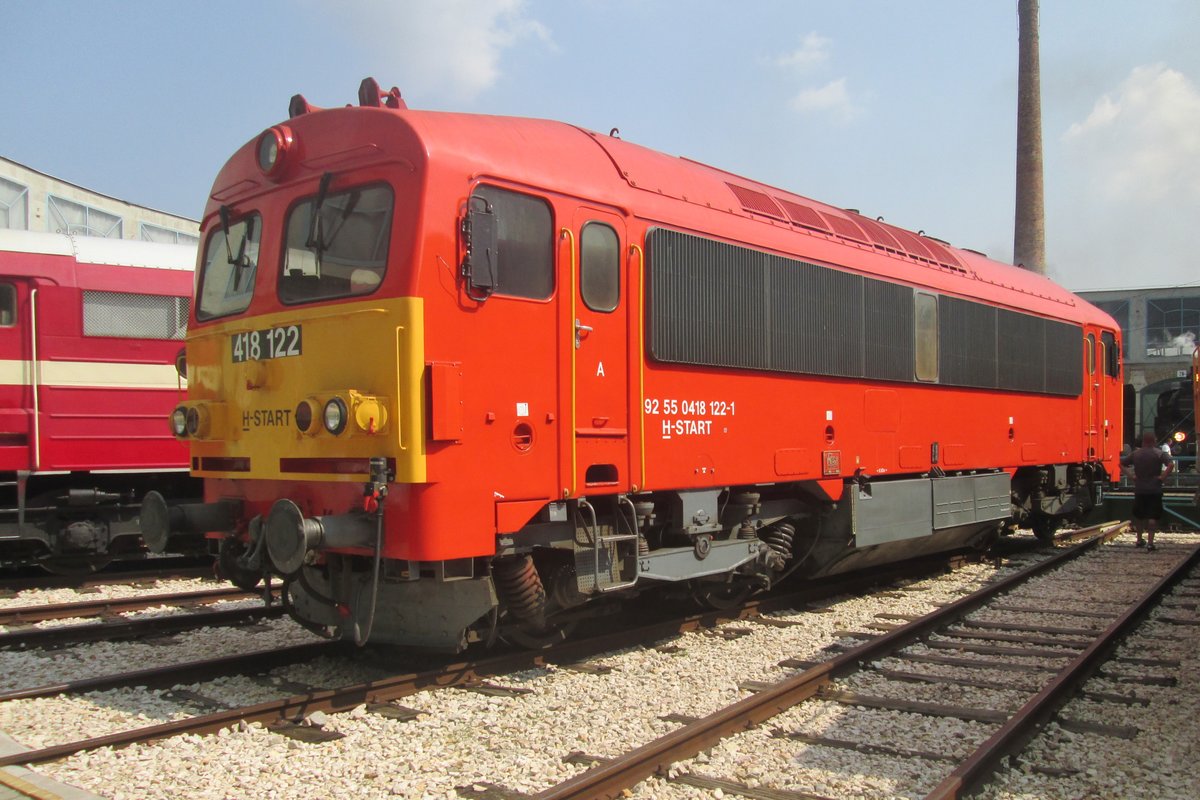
134	316
757	202
719	305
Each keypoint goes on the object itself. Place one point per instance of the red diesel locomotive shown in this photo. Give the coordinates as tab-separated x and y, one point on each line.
89	331
454	376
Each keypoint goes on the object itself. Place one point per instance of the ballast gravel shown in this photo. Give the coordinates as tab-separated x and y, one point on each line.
469	741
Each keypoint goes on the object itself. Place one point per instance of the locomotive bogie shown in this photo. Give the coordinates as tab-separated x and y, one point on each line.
547	366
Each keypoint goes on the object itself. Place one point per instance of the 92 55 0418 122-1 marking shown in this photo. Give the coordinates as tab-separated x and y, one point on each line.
279	342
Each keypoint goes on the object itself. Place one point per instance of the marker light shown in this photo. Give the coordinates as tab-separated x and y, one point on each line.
272	150
304	416
335	416
179	422
1179	436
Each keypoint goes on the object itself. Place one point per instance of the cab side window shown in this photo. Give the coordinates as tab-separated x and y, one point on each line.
1112	354
524	258
8	305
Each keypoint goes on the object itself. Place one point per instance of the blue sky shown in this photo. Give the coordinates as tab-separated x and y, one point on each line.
904	110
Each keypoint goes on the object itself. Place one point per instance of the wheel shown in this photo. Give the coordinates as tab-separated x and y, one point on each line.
229	569
532	639
721	597
1044	527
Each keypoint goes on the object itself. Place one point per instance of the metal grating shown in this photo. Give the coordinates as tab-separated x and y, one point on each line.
845	228
717	304
707	302
1064	367
888	324
912	244
878	234
803	215
134	316
1021	341
817	316
967	335
942	253
756	201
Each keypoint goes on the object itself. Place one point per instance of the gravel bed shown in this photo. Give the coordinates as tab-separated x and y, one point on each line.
114	591
466	738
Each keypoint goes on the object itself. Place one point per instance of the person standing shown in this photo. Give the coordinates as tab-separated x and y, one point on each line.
1150	466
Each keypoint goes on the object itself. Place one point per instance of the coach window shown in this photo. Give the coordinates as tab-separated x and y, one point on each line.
1089	353
230	263
525	242
8	305
926	319
1112	354
337	245
599	267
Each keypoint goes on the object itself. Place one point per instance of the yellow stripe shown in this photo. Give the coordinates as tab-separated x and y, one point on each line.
91	374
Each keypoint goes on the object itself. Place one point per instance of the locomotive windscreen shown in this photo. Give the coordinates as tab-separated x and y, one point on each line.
716	304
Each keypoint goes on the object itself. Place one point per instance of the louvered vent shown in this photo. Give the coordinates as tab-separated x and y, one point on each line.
912	244
878	234
755	201
941	254
845	228
802	215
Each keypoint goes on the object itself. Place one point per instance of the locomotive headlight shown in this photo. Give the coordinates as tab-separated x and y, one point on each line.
272	150
1179	436
192	421
335	416
179	422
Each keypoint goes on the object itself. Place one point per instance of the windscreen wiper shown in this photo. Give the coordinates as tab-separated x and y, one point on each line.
241	263
315	239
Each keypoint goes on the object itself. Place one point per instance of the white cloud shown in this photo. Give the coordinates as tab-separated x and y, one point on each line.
832	99
1126	190
1143	140
814	50
452	47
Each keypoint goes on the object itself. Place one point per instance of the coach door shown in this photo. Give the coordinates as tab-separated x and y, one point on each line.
597	340
18	427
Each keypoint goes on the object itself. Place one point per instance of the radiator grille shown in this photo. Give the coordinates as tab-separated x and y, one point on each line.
716	304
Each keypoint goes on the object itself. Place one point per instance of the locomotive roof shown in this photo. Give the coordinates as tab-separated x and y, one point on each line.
677	192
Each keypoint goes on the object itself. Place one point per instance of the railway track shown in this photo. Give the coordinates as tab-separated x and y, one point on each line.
981	645
108	625
381	697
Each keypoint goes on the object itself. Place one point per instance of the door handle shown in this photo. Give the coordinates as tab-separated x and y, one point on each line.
581	331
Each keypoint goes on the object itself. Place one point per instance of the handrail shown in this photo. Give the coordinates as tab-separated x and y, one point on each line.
33	379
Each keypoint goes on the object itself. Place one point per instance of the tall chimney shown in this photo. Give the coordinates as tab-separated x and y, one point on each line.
1029	240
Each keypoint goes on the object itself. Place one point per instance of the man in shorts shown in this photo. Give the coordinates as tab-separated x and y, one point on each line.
1150	466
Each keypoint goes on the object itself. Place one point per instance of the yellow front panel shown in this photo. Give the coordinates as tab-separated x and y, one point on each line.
371	354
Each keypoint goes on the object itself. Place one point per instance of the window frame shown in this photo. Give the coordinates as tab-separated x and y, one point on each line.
8	303
616	267
311	199
551	253
202	275
925	342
